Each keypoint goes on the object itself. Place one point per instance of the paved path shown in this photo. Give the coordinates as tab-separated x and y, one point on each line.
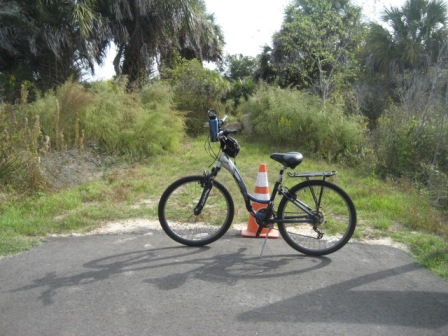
146	284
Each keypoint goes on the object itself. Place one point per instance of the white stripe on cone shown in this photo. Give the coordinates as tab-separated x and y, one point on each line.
262	180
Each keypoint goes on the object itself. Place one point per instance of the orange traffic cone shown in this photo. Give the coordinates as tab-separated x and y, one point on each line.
262	193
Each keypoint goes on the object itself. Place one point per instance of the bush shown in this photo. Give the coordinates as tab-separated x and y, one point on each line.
402	145
106	116
136	125
408	149
302	121
242	88
60	112
196	90
436	185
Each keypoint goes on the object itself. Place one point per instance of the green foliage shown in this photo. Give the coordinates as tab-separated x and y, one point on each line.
407	52
19	163
394	144
237	67
60	112
240	71
147	32
304	122
47	42
436	186
7	161
106	117
402	146
136	125
420	152
242	89
196	90
418	32
266	69
317	44
428	250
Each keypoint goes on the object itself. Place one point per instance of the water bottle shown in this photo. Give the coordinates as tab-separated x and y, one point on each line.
213	124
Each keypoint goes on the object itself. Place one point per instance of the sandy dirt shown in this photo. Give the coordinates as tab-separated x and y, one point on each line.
142	225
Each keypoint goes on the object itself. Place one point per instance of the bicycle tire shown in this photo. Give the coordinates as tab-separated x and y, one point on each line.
176	208
337	213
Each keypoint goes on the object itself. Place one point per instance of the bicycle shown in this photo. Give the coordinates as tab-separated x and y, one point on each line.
314	217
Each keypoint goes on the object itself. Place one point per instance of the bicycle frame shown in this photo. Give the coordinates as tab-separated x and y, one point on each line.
224	161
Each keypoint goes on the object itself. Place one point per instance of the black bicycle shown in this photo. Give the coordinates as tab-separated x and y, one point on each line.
314	217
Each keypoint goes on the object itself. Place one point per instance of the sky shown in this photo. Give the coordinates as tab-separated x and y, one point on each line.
248	25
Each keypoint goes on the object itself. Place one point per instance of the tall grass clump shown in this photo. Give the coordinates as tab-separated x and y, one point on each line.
401	147
136	124
303	122
59	112
19	160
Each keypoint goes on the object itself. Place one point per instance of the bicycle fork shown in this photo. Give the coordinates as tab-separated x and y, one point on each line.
207	185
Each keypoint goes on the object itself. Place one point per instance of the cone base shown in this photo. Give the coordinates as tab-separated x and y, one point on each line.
251	234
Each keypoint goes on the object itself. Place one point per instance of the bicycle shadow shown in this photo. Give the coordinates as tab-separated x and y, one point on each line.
226	269
229	268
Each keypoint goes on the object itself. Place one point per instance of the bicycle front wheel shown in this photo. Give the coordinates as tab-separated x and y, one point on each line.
332	224
176	211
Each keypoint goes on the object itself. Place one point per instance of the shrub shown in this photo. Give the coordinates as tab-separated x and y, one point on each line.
302	121
402	145
242	88
60	113
406	148
196	90
136	125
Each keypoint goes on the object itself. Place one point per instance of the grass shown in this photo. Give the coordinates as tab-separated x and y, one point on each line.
385	208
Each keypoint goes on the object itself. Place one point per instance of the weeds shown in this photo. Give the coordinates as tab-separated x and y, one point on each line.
300	119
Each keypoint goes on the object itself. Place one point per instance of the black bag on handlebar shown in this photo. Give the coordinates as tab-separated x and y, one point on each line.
230	146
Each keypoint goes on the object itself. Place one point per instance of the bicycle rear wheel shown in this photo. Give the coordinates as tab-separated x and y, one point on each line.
176	211
335	218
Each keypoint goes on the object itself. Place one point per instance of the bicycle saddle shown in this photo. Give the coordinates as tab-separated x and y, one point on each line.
290	160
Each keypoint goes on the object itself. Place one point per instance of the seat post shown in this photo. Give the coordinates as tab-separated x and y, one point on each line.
278	183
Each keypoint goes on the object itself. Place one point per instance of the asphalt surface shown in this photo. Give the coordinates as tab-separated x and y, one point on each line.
145	284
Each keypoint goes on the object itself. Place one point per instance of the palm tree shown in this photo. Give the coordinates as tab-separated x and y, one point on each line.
150	32
406	62
47	41
418	31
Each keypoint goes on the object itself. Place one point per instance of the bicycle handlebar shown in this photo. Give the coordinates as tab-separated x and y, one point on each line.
225	132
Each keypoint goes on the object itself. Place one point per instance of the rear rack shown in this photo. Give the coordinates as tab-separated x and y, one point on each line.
312	174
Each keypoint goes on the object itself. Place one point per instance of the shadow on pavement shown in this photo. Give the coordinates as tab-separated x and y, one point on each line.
191	263
351	302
